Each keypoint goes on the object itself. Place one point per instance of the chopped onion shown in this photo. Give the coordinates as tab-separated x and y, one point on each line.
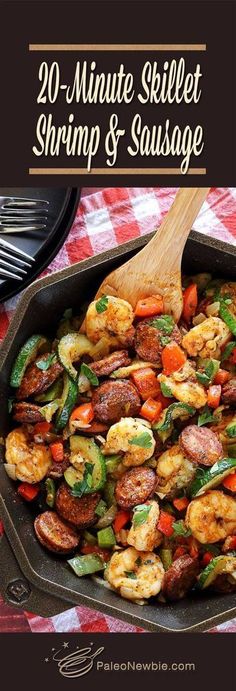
199	319
99	438
83	383
213	309
10	469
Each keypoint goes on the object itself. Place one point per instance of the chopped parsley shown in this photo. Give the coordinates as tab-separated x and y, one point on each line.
101	304
138	561
164	323
85	485
164	340
88	372
206	416
144	440
44	365
130	574
140	514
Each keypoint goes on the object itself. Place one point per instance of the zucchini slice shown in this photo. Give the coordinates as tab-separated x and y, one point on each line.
26	355
49	409
231	429
217	566
54	391
71	476
70	349
91	453
174	411
67	402
207	479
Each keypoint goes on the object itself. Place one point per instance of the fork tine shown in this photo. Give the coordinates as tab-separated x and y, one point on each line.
9	274
24	201
16	250
31	214
15	259
12	266
20	229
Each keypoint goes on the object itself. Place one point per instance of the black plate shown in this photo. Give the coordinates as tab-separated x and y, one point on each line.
40	309
43	244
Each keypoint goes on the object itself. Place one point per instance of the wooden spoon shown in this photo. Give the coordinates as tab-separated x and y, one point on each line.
156	269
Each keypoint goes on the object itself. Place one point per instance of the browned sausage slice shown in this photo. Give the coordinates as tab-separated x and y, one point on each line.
27	413
229	393
104	367
78	511
134	487
36	380
54	534
200	445
149	343
115	399
180	577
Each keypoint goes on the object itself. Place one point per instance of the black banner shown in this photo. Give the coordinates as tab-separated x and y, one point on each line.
130	92
62	661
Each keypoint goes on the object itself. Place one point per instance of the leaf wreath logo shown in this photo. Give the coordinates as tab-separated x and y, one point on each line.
77	663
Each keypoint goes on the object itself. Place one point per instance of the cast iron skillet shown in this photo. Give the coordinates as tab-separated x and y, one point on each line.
48	584
42	245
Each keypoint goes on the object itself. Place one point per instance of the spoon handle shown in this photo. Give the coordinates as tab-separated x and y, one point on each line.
171	237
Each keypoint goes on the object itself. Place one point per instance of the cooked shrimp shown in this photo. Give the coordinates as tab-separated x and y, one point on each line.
212	517
145	537
135	575
190	392
207	338
120	436
115	321
32	460
174	471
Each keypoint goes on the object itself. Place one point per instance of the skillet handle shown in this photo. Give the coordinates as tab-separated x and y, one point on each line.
18	592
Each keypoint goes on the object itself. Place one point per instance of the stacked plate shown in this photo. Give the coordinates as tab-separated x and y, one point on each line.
43	244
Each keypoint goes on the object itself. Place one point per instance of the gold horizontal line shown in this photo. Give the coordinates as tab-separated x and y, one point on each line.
115	171
84	47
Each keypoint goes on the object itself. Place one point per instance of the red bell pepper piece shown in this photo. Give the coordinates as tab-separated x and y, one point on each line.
165	523
27	491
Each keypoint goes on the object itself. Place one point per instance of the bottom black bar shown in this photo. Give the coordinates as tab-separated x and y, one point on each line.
189	661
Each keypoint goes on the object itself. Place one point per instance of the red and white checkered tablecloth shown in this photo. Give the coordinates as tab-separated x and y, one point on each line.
104	219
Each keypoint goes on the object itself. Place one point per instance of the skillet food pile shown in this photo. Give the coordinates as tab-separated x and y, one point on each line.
124	442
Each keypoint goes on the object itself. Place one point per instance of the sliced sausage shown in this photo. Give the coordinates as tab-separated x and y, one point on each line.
54	534
36	380
78	511
27	413
95	427
148	340
134	487
115	399
229	393
180	577
200	445
104	367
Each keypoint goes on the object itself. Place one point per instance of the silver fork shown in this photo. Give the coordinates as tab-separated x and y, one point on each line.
13	262
21	214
